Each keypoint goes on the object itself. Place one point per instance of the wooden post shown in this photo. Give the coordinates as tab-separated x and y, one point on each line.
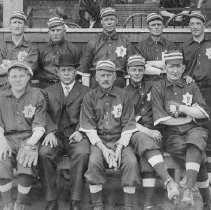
8	7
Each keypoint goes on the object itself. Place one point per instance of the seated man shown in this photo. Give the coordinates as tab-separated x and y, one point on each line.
147	141
108	120
22	124
181	109
16	47
64	101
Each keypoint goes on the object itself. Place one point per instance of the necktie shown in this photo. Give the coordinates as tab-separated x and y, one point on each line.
67	90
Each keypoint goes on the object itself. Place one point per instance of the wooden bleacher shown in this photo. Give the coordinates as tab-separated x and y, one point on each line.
40	11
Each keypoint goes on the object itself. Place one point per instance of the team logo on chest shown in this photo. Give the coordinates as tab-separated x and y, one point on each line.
22	55
117	112
120	51
29	111
208	53
187	99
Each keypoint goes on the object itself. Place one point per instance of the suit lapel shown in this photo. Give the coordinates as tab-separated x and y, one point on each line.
59	95
74	93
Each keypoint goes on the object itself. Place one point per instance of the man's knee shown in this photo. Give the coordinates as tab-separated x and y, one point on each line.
95	159
6	169
45	152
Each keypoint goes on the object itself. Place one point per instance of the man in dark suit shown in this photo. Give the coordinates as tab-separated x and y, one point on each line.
63	107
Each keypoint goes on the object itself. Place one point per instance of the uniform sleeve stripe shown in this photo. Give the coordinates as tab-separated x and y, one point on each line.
162	119
41	129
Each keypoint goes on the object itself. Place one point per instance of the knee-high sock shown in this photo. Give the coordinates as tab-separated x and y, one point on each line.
148	180
155	159
203	183
96	195
193	161
6	190
24	187
129	196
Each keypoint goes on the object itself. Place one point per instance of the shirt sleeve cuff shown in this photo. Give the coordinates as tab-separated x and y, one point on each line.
92	135
39	129
125	137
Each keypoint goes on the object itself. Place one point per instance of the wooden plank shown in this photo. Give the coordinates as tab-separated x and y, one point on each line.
39	35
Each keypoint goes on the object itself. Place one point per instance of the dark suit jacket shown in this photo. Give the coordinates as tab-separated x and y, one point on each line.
55	100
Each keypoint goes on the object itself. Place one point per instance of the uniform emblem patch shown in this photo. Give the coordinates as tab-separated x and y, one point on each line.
29	111
121	51
149	96
117	112
22	55
187	99
208	53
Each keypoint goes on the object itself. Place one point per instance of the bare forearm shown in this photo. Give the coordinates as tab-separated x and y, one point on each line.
37	134
176	121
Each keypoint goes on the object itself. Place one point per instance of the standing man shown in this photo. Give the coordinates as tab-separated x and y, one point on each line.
108	45
47	73
22	124
181	109
146	143
107	118
197	59
16	47
153	49
64	101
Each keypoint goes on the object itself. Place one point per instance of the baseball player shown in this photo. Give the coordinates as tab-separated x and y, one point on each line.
107	119
147	141
16	47
153	49
107	45
47	72
181	109
22	124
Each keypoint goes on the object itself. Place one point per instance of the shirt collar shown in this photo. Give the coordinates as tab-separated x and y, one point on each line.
102	93
180	83
135	85
23	42
9	92
61	42
191	41
113	36
70	86
160	41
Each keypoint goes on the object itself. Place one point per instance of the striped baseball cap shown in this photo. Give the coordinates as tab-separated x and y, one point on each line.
154	16
199	15
173	57
55	21
107	11
106	65
136	60
21	64
19	15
